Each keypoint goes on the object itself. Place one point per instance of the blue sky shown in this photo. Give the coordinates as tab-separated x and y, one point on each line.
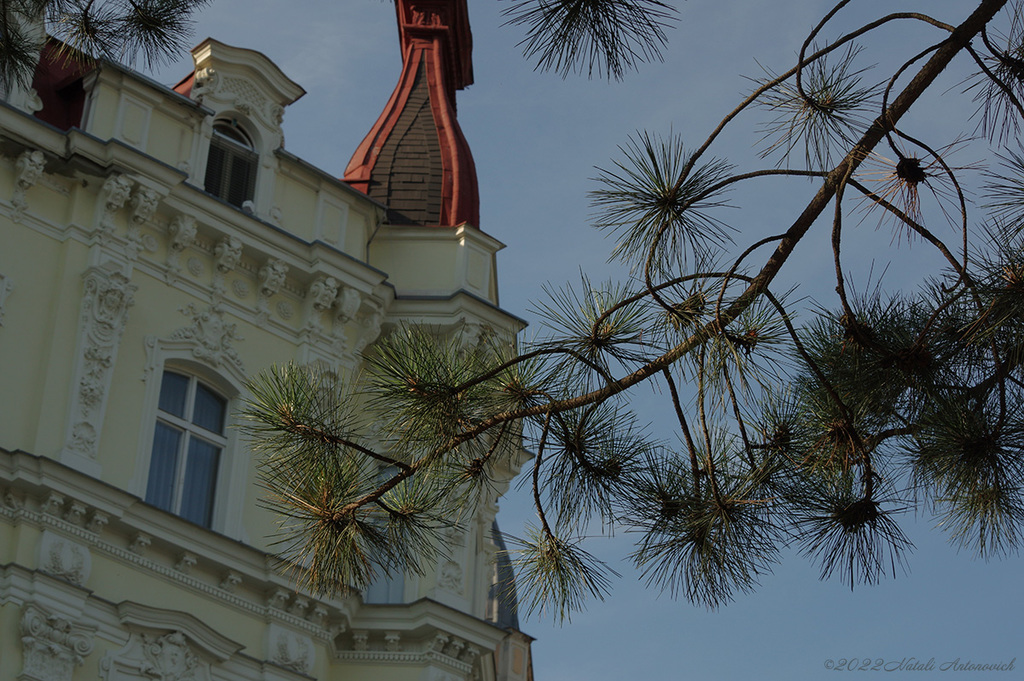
536	140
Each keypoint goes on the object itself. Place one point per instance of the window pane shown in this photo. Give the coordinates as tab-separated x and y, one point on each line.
216	170
173	390
163	467
209	409
200	480
243	179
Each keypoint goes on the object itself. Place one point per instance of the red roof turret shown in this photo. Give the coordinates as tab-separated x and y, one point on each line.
415	158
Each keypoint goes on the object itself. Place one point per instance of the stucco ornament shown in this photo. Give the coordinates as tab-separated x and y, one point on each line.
113	196
210	336
451	577
27	171
168	658
182	231
64	558
207	82
227	253
105	304
290	650
52	646
320	297
371	324
271	278
347	305
144	203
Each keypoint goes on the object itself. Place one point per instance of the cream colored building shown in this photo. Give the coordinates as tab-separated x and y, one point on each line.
157	248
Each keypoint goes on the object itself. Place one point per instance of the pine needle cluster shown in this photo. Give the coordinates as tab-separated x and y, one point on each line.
820	435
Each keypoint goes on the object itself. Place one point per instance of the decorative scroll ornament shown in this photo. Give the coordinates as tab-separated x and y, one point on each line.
210	336
27	171
108	297
113	196
52	646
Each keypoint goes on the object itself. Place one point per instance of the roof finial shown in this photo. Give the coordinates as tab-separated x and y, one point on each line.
415	158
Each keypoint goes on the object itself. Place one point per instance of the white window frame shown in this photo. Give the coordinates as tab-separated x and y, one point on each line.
189	431
229	382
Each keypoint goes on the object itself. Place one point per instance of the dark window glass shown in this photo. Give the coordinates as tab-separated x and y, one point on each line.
231	166
209	409
173	391
163	466
186	451
200	482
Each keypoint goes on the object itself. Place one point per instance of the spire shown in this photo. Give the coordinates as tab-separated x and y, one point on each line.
415	158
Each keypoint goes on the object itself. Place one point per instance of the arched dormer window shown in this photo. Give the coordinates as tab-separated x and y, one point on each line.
232	164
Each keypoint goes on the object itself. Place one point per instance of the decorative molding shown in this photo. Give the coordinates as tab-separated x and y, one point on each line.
186	561
290	649
208	338
285	310
226	254
104	313
183	234
52	646
97	521
197	634
140	543
271	278
324	629
113	196
371	324
319	298
451	577
231	581
27	171
143	202
248	100
64	558
6	287
473	334
241	288
168	657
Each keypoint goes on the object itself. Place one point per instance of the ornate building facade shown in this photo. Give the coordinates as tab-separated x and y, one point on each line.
158	247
